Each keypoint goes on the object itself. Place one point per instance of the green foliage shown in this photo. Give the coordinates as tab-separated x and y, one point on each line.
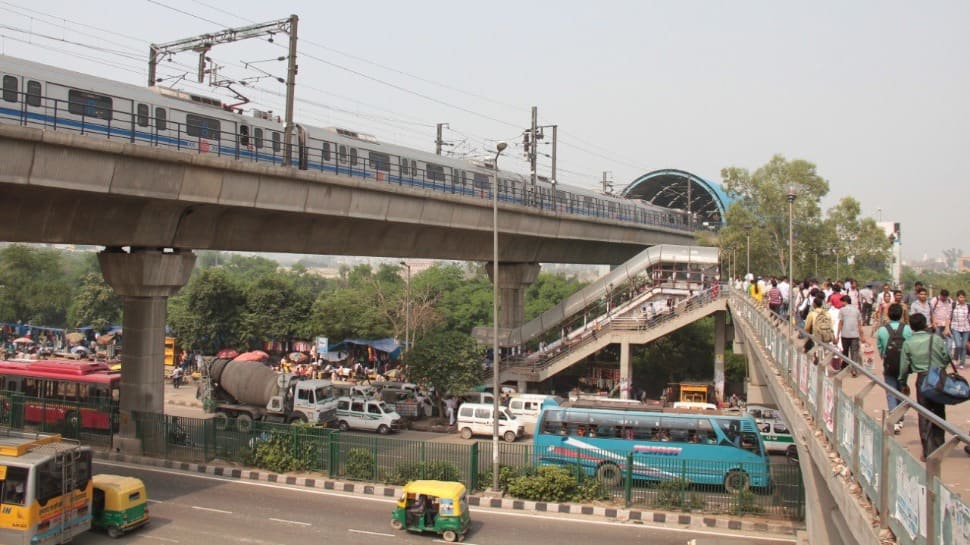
748	503
686	354
279	452
555	484
447	360
95	304
673	494
37	288
547	291
206	314
361	464
506	474
439	470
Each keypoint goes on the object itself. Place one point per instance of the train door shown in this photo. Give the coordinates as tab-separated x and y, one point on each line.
244	141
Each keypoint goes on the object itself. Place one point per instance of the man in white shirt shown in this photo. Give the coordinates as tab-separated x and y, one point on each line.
785	289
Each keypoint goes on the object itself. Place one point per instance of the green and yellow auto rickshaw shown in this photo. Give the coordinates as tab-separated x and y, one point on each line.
120	504
433	506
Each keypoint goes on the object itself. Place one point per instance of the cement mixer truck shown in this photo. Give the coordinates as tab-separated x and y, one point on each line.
249	391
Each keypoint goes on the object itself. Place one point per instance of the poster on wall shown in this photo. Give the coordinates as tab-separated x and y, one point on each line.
867	458
828	404
910	508
954	522
846	424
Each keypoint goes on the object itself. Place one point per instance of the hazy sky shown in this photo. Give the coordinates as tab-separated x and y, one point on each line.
875	93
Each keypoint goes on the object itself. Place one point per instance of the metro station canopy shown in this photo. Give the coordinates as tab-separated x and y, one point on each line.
681	190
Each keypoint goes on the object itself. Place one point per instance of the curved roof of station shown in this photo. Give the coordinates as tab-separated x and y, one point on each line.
670	188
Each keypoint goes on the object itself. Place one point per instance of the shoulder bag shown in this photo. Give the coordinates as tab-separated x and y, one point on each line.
942	387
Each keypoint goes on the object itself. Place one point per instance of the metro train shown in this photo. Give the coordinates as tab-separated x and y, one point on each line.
39	95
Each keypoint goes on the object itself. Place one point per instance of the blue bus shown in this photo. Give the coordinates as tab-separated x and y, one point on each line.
700	448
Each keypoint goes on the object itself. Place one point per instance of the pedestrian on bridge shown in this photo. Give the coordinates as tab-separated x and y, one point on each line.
922	351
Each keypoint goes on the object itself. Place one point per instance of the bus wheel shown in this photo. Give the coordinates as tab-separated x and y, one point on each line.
221	421
466	433
450	536
736	481
244	423
72	419
609	474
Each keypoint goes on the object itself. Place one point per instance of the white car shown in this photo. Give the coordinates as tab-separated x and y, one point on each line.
358	413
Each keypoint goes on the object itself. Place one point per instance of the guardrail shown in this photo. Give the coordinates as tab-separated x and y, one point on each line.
908	496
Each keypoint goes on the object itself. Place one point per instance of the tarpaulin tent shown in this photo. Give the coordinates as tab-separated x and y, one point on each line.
388	345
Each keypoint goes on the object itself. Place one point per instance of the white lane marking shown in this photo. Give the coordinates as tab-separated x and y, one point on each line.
498	512
155	501
443	541
211	509
369	533
149	536
284	521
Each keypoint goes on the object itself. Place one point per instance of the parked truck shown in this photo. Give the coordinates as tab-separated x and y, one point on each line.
249	391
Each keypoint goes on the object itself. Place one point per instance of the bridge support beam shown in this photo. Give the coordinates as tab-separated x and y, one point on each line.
514	279
145	278
626	370
720	335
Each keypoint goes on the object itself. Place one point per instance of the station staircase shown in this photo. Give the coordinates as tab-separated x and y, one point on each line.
661	304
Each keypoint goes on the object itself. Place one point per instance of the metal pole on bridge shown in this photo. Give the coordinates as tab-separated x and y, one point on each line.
499	148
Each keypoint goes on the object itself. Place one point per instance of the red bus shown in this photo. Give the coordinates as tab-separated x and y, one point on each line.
82	394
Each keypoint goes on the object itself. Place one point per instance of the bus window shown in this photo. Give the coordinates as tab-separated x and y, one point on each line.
14	486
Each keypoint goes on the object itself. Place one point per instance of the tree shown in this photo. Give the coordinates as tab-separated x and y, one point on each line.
951	256
206	314
449	361
36	289
761	212
548	291
857	242
273	310
95	304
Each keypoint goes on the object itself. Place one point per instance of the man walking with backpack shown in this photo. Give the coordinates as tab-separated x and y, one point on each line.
924	350
889	342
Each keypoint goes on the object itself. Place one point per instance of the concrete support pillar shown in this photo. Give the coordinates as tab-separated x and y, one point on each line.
626	370
720	337
145	278
514	279
522	386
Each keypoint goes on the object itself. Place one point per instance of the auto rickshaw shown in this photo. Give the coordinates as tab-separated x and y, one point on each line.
433	506
120	504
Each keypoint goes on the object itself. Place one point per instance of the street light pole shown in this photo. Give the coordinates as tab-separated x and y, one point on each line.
791	254
747	235
407	308
499	148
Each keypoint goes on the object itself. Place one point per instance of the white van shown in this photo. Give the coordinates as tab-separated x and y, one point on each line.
776	435
527	406
360	413
477	419
479	397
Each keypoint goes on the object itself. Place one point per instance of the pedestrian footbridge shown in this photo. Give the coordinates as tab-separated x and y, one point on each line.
864	485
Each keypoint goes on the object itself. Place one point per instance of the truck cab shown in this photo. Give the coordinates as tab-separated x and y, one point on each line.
361	413
312	401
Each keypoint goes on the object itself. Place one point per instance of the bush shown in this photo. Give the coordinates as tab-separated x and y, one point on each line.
278	453
506	474
672	494
748	502
438	470
556	484
361	464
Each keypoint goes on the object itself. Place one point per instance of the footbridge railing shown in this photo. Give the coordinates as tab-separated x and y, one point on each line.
865	483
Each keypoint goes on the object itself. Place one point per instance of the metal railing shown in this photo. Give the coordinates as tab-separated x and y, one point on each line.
908	496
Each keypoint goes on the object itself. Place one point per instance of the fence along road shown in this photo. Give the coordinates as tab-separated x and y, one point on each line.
872	484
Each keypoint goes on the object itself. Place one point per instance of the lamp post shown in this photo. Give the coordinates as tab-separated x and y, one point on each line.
792	193
499	148
747	235
407	308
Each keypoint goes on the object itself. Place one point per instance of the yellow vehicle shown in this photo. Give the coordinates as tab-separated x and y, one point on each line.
45	489
433	506
120	504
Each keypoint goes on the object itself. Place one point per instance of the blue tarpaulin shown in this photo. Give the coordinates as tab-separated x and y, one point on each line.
387	345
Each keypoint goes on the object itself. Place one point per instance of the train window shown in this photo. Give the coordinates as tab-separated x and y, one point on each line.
141	115
258	137
342	155
276	142
33	93
404	166
160	119
481	181
379	161
202	127
10	88
244	135
326	151
436	172
353	156
89	104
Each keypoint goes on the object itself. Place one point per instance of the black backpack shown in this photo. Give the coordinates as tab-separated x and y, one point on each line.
890	361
